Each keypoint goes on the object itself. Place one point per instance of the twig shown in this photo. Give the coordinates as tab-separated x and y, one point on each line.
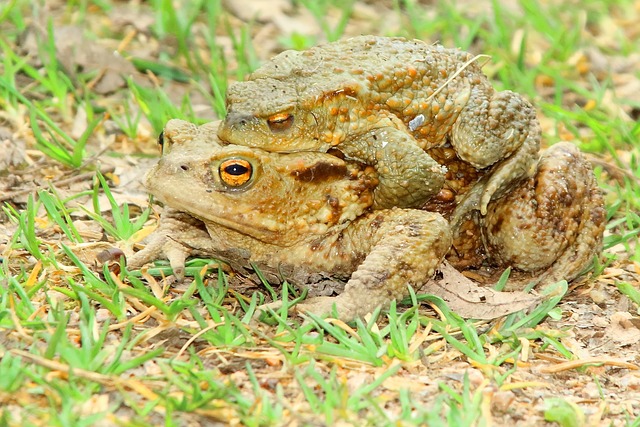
573	364
456	74
106	380
58	183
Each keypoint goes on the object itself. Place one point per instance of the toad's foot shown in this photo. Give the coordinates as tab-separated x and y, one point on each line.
552	223
178	236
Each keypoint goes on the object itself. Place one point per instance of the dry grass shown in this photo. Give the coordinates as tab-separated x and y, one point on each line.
86	345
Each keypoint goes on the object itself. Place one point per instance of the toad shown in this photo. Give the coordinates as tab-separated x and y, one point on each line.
309	214
550	225
301	215
386	102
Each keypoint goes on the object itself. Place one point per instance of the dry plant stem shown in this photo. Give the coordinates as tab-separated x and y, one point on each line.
573	364
77	178
108	381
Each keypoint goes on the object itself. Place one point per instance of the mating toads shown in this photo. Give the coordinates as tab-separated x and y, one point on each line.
298	215
304	215
383	102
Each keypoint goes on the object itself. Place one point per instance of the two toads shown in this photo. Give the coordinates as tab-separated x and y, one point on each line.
326	157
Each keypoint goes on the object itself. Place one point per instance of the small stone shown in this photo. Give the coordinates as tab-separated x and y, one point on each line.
502	401
591	391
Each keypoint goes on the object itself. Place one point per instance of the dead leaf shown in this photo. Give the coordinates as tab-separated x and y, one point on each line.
469	300
75	52
12	150
95	404
88	252
622	330
415	385
80	123
260	10
121	197
123	15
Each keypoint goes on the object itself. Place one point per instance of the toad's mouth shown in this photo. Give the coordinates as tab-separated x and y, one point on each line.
239	217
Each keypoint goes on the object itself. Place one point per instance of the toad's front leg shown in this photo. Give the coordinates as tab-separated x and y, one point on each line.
408	175
178	236
403	246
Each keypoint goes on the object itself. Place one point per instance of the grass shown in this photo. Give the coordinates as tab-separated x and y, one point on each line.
83	341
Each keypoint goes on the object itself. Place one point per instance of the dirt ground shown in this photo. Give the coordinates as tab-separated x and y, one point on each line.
599	325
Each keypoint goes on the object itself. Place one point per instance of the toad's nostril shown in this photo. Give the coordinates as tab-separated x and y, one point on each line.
239	119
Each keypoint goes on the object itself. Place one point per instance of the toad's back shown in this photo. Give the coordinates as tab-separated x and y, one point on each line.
424	85
383	102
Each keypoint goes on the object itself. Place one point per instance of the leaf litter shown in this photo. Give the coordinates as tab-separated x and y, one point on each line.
598	323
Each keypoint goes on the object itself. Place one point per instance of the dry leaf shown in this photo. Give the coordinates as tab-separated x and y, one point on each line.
76	52
469	300
622	330
12	150
261	10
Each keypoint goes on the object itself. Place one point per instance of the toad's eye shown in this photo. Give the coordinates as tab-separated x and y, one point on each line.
280	122
235	172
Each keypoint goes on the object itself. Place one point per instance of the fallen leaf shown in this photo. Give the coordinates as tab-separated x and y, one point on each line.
76	52
622	330
88	252
469	300
12	150
261	10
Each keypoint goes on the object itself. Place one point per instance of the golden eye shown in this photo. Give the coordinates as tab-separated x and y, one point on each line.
280	122
235	172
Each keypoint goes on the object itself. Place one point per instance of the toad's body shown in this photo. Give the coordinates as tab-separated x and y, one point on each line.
385	102
304	214
301	215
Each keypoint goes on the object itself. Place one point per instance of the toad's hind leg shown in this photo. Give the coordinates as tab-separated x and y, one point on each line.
404	247
552	223
501	129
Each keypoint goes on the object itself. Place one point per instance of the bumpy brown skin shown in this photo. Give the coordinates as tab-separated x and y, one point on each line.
383	101
553	223
305	213
550	225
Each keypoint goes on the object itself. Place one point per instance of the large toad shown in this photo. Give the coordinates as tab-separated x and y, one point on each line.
301	215
383	102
